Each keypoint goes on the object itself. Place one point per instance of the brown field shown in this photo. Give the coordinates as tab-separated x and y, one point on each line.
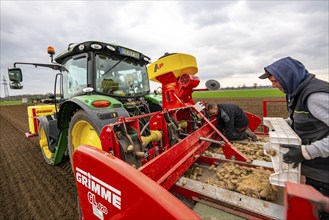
29	187
32	189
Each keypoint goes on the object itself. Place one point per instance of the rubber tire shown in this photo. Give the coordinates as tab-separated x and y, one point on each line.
79	116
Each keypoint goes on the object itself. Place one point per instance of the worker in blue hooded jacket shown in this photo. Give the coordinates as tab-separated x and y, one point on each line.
308	107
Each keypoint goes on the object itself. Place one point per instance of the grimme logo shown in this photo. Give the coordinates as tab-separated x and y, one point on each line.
157	67
100	188
98	207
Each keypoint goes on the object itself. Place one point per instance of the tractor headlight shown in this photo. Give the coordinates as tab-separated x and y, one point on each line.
147	59
110	47
81	47
96	46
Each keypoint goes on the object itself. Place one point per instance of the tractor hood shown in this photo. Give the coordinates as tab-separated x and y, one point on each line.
90	101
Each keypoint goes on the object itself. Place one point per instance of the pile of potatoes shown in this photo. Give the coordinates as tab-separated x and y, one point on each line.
248	181
262	139
251	150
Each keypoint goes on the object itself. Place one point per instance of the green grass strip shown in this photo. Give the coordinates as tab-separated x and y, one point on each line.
241	93
11	102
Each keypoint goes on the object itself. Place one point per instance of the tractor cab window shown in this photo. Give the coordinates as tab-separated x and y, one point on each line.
75	76
119	77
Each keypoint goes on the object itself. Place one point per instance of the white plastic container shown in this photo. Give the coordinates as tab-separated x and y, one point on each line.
281	133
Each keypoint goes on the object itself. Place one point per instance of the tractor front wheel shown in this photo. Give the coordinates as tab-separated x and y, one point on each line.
83	131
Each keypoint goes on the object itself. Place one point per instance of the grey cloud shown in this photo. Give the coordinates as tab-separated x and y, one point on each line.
206	13
294	6
228	38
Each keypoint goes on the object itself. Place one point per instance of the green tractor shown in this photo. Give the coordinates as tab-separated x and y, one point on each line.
96	83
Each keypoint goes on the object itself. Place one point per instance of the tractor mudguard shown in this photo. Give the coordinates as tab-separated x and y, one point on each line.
49	124
101	116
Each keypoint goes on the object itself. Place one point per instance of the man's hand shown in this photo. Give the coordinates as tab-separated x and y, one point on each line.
294	155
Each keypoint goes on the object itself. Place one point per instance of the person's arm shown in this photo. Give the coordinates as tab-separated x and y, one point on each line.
228	119
318	105
219	124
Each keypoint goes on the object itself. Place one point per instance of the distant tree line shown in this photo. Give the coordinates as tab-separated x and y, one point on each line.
254	86
28	96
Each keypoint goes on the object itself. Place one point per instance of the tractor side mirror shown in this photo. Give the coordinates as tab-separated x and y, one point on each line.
15	74
15	77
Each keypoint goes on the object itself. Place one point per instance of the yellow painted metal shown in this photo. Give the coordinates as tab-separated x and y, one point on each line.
178	64
84	133
38	110
44	144
154	136
183	124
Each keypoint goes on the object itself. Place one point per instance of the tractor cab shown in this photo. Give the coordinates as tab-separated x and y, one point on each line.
109	69
97	68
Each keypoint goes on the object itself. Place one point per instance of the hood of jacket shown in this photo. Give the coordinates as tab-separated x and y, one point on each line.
289	73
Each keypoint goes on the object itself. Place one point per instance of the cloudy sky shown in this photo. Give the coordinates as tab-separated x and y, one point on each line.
231	40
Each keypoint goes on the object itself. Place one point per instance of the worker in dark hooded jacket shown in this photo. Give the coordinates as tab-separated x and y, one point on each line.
232	121
308	108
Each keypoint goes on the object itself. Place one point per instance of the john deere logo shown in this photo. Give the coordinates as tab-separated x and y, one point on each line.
158	66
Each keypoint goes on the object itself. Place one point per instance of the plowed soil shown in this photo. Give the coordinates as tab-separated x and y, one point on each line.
32	189
29	187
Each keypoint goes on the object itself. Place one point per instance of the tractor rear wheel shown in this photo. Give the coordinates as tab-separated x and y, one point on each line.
82	130
44	145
